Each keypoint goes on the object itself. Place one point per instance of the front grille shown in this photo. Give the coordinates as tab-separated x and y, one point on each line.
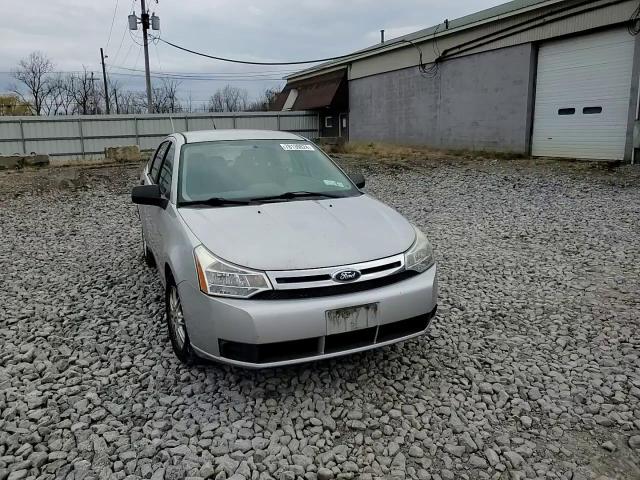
380	268
349	340
269	352
308	278
403	328
311	347
340	289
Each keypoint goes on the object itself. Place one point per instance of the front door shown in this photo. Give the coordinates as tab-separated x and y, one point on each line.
149	228
344	125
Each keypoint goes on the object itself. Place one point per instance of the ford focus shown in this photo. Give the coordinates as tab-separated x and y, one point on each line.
270	254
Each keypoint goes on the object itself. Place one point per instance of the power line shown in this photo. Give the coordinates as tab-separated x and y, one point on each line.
113	19
204	79
195	77
255	73
247	62
124	32
126	56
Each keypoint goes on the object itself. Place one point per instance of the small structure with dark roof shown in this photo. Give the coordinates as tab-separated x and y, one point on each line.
327	94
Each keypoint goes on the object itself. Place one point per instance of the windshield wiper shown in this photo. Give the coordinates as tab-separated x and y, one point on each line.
292	195
214	202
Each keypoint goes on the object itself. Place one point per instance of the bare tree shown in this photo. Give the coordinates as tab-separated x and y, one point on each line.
165	97
216	102
265	101
32	73
86	97
228	99
126	101
59	99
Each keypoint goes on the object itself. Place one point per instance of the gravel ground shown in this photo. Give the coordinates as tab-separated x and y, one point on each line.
531	369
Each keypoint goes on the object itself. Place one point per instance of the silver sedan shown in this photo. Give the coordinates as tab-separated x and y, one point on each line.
270	254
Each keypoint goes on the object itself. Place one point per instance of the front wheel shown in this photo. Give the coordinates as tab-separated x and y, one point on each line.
176	325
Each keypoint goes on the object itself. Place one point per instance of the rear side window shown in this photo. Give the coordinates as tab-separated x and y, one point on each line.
157	161
166	171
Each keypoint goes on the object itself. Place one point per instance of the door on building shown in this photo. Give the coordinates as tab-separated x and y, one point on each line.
344	125
583	92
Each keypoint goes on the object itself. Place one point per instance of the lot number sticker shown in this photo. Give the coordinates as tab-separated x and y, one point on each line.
297	146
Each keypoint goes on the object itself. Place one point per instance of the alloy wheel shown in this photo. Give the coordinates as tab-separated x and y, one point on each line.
176	317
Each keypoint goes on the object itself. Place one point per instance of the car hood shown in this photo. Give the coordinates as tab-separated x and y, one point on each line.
301	234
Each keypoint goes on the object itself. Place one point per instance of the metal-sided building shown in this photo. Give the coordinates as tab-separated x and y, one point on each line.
545	77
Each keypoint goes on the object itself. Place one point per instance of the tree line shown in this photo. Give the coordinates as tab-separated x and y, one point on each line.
43	91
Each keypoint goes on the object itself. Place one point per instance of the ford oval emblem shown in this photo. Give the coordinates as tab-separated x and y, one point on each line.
345	276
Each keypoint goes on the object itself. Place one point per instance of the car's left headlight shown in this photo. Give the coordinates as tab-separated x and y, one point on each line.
220	278
419	257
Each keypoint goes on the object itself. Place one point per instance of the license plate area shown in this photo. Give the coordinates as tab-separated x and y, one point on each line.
349	319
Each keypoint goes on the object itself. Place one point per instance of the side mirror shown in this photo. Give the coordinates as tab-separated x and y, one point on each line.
148	195
358	179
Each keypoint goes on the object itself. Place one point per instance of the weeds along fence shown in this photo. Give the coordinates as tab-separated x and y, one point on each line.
86	136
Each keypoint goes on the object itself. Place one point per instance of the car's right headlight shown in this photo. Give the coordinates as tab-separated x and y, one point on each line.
220	278
419	257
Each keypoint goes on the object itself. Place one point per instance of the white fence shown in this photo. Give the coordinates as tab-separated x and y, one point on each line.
86	136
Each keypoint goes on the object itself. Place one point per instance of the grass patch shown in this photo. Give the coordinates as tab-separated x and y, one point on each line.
387	151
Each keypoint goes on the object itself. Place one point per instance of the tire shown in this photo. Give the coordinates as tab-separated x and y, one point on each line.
147	255
176	325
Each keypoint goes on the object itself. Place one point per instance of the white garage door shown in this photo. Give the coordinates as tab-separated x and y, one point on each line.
582	96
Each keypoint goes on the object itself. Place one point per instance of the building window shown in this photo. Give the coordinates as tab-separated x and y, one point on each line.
591	110
328	122
566	111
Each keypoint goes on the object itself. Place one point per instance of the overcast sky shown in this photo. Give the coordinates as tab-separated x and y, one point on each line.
71	33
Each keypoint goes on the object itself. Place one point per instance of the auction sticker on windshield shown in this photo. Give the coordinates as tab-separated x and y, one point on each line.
297	146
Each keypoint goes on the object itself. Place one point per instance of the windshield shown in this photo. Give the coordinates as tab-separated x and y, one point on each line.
258	169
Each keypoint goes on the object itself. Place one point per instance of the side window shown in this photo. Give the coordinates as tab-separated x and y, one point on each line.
157	160
166	171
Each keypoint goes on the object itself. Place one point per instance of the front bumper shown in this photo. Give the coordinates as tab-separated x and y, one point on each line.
269	333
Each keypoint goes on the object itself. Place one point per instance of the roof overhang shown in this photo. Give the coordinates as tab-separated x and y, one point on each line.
318	91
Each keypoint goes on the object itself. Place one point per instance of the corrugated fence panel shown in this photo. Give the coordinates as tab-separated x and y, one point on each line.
55	147
299	123
219	122
84	135
154	126
53	130
150	142
258	123
97	145
9	130
10	147
103	128
206	123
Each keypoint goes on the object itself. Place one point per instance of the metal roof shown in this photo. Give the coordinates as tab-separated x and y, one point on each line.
238	134
490	14
313	93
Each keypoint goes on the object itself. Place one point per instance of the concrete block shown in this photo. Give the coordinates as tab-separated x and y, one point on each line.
10	161
36	161
127	153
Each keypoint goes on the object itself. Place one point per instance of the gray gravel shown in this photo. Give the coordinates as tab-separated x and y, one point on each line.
531	369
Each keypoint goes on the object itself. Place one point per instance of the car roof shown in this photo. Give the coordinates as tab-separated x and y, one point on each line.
238	134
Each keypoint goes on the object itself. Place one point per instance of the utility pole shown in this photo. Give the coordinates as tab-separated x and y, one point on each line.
93	94
144	17
104	77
